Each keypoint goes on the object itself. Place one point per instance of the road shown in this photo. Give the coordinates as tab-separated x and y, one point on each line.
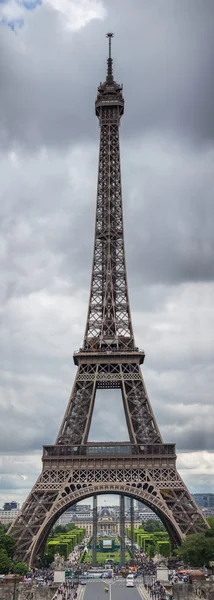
95	591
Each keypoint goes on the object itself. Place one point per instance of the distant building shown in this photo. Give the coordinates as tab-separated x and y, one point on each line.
204	500
79	508
11	505
105	526
8	516
127	504
108	520
148	515
208	512
83	508
72	517
140	506
72	508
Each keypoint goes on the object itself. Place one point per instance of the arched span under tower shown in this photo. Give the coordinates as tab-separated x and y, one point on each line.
147	496
71	474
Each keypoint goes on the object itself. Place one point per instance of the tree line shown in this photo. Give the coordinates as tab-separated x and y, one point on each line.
7	552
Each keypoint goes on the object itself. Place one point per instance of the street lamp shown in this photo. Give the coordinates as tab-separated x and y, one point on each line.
109	589
14	588
11	593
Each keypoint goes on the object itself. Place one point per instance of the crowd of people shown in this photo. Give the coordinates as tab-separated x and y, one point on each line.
157	591
65	592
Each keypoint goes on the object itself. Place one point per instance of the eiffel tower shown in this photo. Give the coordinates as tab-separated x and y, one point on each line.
143	468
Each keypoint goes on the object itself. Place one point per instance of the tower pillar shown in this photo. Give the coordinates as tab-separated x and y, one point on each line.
132	525
94	538
122	529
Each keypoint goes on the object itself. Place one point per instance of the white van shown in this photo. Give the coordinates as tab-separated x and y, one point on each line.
130	580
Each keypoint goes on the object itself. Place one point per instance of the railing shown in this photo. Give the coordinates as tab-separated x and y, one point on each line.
109	349
99	449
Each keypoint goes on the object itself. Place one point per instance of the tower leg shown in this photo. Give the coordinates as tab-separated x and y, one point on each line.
122	529
132	525
94	539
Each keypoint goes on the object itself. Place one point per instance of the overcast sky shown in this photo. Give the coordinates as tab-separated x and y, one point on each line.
53	56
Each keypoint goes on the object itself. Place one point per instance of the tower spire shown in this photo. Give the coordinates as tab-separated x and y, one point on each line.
109	60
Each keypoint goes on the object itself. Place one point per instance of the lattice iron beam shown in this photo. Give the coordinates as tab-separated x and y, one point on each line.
94	534
132	524
122	531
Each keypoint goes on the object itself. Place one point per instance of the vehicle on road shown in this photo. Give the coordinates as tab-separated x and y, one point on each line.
130	580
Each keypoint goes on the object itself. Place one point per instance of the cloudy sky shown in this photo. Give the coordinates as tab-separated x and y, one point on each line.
52	57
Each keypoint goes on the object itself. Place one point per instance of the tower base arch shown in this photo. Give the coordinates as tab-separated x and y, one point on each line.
66	480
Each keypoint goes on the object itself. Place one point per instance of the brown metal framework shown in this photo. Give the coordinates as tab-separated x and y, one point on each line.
94	536
145	468
122	530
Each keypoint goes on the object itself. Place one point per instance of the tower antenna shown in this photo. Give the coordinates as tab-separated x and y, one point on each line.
109	60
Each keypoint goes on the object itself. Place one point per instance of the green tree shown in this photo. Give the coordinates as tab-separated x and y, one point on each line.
197	550
7	542
152	525
5	562
57	529
3	528
20	568
70	526
62	529
210	521
47	560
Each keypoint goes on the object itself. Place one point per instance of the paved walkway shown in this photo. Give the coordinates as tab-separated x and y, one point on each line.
143	592
66	594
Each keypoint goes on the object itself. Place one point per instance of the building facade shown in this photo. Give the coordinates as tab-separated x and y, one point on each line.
8	516
105	526
204	500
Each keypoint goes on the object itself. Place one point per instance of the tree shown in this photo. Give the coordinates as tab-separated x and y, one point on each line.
70	526
3	528
7	542
5	562
46	560
20	568
152	525
210	521
197	550
62	529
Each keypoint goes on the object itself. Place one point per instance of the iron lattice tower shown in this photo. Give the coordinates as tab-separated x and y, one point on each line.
73	468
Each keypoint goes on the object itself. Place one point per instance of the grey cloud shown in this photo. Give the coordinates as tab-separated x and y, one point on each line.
31	407
9	482
169	202
199	484
167	64
21	433
164	58
108	422
185	427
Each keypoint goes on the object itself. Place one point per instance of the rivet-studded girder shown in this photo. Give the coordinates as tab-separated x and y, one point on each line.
127	376
109	323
